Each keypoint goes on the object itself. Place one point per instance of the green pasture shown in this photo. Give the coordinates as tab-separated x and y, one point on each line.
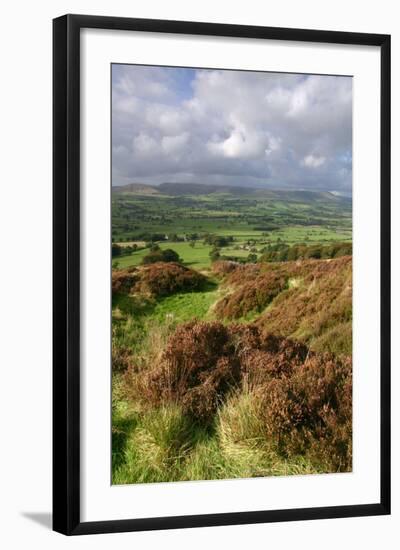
196	257
244	217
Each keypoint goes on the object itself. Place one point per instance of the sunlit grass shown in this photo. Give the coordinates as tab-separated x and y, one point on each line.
163	445
196	257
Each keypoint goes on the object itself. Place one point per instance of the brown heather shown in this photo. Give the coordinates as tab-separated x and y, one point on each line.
123	281
158	279
196	369
304	397
318	310
237	273
222	267
307	300
252	295
310	412
121	359
265	397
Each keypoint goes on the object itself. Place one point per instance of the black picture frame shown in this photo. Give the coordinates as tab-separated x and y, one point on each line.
66	273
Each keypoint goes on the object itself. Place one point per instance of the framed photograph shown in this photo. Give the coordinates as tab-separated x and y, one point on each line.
221	274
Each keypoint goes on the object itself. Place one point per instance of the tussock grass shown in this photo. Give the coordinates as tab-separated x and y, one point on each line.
239	422
337	340
165	445
157	447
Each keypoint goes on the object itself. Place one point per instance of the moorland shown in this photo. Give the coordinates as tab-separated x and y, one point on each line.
231	332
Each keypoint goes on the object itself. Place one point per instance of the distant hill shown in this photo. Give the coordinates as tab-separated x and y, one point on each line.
194	189
299	195
136	189
178	189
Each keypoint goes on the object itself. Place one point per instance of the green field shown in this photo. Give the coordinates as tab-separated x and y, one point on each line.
197	257
254	222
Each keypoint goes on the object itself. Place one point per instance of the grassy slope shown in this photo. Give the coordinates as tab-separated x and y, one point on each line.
315	307
183	307
162	444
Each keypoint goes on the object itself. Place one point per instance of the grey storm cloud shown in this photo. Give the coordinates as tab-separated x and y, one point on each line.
236	127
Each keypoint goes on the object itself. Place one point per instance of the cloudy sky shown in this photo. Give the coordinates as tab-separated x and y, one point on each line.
231	127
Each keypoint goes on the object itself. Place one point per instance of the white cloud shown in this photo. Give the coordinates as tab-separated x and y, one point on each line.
241	144
312	161
231	127
144	144
174	144
274	144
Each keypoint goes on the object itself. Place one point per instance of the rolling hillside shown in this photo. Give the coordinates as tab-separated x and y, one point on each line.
179	189
244	371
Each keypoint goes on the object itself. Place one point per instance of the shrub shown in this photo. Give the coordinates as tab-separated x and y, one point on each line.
222	267
158	255
123	281
256	389
235	273
315	307
203	361
214	254
252	296
159	279
116	250
310	411
281	252
121	358
251	258
218	241
270	357
196	369
162	279
307	299
169	255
